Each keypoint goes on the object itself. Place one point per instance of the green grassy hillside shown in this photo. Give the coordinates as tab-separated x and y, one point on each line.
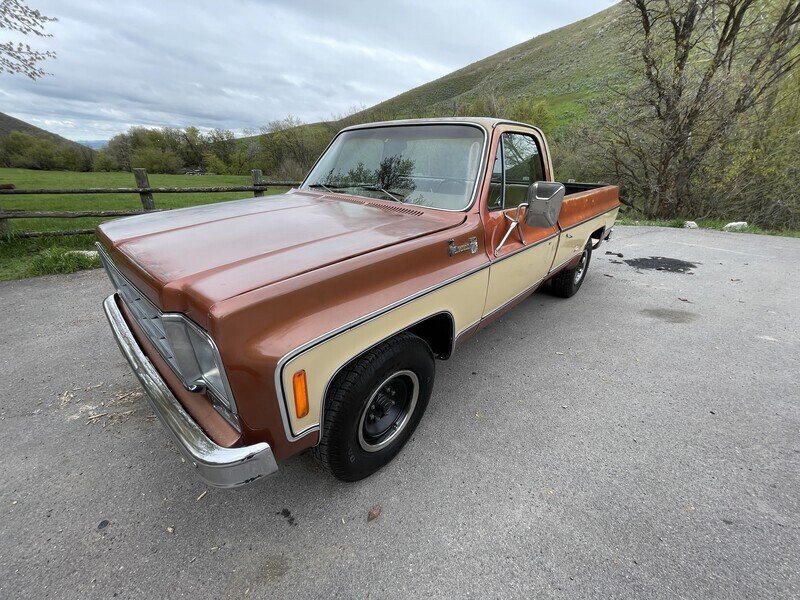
566	68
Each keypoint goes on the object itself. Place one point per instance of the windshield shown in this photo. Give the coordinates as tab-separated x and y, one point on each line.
425	165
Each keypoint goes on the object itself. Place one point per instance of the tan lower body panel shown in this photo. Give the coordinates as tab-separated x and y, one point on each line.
463	299
510	277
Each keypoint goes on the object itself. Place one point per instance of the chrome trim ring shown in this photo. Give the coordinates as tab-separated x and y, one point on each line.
382	413
581	268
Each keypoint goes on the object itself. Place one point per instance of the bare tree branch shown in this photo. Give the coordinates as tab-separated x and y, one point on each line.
705	65
17	57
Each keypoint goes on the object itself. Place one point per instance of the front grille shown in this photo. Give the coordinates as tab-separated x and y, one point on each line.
147	316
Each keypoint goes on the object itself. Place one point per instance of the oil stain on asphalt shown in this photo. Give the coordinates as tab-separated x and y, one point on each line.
670	315
661	263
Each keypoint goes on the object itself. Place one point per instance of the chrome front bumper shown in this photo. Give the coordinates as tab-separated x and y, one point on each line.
218	466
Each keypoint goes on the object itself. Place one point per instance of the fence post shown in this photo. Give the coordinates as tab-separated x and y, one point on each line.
5	225
143	182
257	180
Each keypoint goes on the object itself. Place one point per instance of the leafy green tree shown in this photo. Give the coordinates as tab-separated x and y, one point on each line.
222	144
213	164
105	162
13	146
291	147
192	147
489	104
529	111
524	110
40	155
119	149
23	150
73	158
156	160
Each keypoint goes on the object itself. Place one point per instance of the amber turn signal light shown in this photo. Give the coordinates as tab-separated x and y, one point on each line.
300	394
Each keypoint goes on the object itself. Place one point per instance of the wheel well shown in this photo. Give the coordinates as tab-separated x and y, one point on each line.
597	237
438	332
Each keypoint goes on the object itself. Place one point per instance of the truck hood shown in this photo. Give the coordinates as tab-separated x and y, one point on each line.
218	251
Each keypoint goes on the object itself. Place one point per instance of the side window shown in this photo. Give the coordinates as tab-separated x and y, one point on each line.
522	165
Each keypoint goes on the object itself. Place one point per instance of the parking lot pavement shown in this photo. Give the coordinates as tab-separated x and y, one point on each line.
640	440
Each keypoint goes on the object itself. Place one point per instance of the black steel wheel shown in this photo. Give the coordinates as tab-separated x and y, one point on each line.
374	405
388	411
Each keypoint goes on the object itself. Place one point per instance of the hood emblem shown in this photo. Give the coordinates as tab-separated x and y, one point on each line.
471	245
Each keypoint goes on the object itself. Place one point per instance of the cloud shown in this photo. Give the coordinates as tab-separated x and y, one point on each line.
241	65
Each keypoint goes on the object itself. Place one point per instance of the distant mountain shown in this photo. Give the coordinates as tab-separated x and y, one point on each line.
93	144
9	124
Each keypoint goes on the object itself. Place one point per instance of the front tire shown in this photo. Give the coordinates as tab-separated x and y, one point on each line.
567	283
374	405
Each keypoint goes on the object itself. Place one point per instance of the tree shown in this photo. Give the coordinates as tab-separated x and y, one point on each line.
526	110
488	103
119	149
41	155
754	178
291	146
104	161
191	148
18	57
13	146
74	158
705	66
156	160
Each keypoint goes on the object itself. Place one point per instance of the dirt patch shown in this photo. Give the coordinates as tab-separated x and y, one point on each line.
106	412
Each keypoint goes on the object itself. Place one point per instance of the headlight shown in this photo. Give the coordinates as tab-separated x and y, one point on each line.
199	364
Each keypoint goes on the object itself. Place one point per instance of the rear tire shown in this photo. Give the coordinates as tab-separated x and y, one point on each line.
374	405
567	283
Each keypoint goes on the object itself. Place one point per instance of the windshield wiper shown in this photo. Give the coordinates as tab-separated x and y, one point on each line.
393	195
327	188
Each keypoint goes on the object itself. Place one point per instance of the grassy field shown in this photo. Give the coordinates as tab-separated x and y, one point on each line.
28	257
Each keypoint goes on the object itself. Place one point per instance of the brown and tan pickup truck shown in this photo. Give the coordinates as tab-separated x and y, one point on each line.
263	327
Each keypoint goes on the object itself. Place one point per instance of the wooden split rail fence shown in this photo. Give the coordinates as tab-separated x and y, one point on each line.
143	188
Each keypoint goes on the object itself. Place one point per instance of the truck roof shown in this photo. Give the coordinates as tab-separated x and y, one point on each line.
487	123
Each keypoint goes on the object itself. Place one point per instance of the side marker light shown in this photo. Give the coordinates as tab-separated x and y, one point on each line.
300	394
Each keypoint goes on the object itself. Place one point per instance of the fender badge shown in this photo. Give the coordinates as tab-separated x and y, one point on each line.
471	245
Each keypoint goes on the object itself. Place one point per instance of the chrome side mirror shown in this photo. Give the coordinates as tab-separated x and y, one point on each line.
544	203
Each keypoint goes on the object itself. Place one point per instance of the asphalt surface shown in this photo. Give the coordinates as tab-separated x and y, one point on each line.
640	440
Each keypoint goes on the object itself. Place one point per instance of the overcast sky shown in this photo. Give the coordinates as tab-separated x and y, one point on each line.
239	65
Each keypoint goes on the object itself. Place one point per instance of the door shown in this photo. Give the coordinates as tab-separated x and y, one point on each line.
520	256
